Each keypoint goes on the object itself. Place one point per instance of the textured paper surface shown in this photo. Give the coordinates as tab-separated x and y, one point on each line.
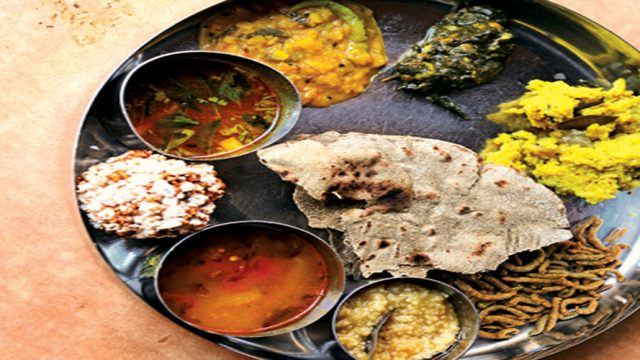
58	298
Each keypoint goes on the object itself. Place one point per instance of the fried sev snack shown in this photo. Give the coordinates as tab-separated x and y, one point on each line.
559	282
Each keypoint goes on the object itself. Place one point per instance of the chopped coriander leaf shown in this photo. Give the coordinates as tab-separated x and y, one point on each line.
218	101
237	129
160	96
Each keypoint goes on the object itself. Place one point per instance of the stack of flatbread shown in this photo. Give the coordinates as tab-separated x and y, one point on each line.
407	205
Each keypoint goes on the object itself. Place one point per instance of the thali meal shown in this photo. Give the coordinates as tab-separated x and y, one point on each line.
201	110
491	224
407	205
244	280
464	49
423	323
577	140
328	49
142	195
556	283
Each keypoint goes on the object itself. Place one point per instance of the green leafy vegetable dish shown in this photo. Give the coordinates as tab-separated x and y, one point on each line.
464	49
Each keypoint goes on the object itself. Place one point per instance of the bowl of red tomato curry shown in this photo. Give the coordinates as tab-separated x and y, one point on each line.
201	105
250	279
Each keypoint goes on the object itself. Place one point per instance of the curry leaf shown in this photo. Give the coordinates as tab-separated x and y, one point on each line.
208	134
179	138
256	120
182	95
268	32
232	86
179	121
183	119
214	126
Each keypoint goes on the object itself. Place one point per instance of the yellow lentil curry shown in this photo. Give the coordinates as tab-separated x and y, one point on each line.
564	142
423	323
329	50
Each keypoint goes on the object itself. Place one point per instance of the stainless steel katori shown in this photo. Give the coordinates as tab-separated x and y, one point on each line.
209	236
464	308
157	67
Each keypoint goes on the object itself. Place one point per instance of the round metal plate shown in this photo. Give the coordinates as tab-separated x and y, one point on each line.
553	43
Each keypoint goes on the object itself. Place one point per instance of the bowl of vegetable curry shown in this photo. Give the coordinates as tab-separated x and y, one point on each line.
198	105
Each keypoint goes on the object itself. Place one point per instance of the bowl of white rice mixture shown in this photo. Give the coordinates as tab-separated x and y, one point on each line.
429	320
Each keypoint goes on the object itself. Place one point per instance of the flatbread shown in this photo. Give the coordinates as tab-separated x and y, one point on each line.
464	216
341	168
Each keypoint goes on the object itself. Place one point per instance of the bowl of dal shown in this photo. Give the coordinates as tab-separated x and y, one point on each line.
249	279
201	105
428	320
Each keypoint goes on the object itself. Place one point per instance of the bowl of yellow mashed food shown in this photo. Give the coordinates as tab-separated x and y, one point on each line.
578	140
330	50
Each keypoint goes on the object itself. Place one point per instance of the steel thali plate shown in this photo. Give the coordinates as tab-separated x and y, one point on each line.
553	43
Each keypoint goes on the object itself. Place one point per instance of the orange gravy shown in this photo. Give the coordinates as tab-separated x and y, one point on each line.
244	281
201	111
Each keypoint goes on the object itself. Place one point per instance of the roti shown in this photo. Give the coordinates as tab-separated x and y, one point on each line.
407	205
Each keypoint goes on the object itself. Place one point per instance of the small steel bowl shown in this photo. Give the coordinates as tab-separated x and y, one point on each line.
288	96
335	269
467	313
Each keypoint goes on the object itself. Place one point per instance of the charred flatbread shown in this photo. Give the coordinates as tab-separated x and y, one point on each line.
440	207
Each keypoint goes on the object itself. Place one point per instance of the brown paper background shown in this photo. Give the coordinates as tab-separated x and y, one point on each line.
58	298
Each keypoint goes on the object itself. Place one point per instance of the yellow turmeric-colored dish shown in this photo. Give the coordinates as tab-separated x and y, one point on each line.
547	105
328	49
592	161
